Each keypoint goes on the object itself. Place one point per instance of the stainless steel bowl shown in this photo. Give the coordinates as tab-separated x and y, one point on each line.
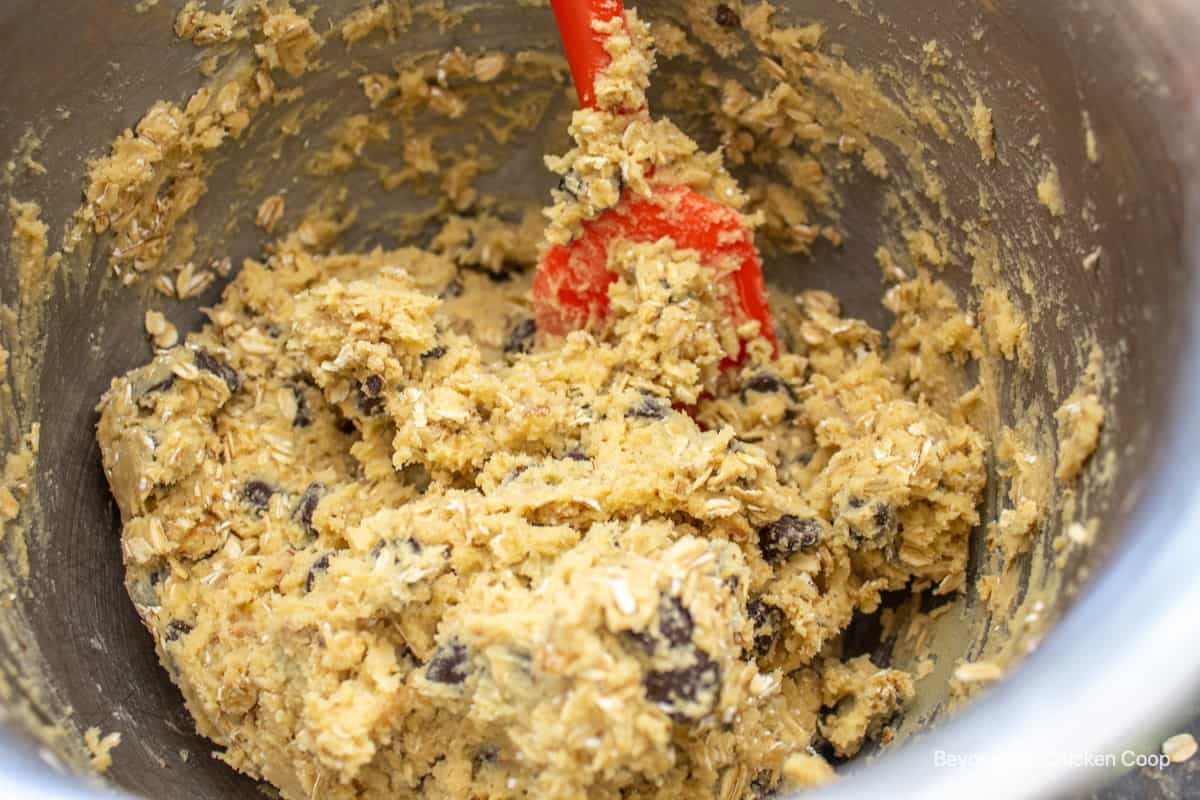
1112	673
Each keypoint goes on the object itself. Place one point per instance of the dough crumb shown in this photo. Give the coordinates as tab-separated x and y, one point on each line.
984	131
1179	748
935	54
289	40
162	332
206	28
864	697
101	748
802	770
1090	146
1080	534
978	672
887	263
924	249
1005	327
1079	419
269	213
18	471
1049	192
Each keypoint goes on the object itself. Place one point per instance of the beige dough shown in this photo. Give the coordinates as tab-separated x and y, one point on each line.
392	543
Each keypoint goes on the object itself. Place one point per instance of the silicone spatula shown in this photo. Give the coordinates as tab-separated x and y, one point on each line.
570	290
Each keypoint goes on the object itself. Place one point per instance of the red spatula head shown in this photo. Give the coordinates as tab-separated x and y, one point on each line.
570	290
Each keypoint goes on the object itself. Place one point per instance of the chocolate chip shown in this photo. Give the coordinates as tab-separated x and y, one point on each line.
674	621
765	383
884	517
768	621
303	416
520	338
453	289
648	408
369	404
434	353
484	757
209	363
344	425
576	454
763	786
177	628
571	183
258	495
308	506
642	640
449	664
372	386
689	684
787	535
726	17
318	568
856	502
163	385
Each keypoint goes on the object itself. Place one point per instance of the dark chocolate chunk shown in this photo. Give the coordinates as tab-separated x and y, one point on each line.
372	386
303	416
344	425
177	628
648	408
369	404
768	621
308	506
434	353
449	664
318	568
726	17
766	383
684	685
164	385
257	495
209	363
787	535
520	338
674	621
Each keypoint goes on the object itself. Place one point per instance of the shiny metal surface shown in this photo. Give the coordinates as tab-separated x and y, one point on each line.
1113	672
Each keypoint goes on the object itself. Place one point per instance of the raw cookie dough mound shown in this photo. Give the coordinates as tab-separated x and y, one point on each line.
390	544
385	553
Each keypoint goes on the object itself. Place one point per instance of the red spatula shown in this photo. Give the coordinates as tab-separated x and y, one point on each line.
570	290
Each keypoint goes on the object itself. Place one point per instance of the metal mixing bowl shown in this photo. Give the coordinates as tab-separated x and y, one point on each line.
1126	651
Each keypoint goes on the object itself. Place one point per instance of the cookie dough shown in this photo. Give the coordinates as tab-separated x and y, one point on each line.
390	542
